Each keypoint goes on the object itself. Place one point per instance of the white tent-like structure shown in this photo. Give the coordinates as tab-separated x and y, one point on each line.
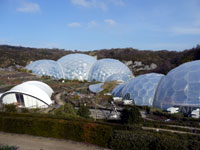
31	94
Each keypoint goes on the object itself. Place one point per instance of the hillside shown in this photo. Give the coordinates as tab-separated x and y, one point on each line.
139	61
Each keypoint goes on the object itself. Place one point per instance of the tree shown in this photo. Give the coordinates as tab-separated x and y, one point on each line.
66	109
84	112
131	114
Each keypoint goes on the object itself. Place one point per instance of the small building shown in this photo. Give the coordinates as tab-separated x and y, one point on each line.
173	110
31	94
128	102
117	99
195	113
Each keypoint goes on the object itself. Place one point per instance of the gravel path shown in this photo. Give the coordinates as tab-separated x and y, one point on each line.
27	142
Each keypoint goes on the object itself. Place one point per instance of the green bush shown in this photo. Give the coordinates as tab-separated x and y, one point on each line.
6	147
10	107
66	109
131	114
84	112
147	141
24	110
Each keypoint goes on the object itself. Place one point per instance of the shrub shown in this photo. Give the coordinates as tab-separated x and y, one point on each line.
24	110
131	114
84	131
84	112
6	147
146	141
10	107
66	109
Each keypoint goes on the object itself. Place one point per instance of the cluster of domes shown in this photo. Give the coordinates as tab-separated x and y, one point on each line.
180	87
140	89
82	67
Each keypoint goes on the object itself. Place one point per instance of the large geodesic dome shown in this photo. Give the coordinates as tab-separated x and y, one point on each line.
117	91
76	66
104	68
46	68
180	87
142	89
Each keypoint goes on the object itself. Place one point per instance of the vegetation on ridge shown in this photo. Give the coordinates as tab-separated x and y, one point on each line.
165	60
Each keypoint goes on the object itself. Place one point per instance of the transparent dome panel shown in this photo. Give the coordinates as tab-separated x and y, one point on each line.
180	87
76	66
105	68
96	88
116	92
142	88
119	77
46	68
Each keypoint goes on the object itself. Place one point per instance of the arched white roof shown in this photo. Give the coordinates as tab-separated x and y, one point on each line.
43	86
31	89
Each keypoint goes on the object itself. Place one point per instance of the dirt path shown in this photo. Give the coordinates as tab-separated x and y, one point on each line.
27	142
168	130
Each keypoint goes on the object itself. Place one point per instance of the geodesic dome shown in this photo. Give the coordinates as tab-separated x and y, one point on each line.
46	68
104	68
96	88
180	87
76	66
119	77
116	92
142	89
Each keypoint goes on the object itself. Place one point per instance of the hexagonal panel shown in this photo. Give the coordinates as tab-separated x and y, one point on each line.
176	90
142	89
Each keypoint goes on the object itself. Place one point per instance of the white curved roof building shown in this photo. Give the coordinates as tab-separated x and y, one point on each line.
180	87
142	89
46	68
31	94
76	66
105	68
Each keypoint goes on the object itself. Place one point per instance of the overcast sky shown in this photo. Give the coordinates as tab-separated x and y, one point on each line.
98	24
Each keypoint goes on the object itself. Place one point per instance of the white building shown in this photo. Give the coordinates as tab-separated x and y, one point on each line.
172	110
195	113
31	94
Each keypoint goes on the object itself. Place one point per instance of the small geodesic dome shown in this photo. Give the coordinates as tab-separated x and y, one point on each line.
180	87
119	77
76	66
117	91
142	89
46	68
105	68
96	88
